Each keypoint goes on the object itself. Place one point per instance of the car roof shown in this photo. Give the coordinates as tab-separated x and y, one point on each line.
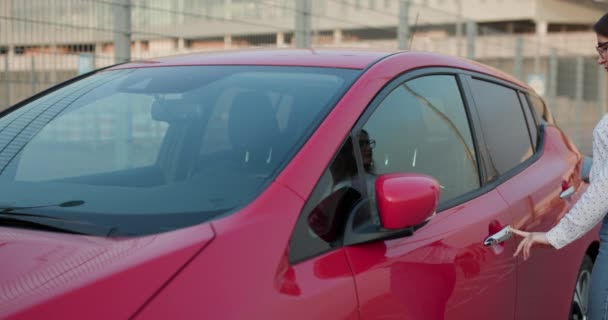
327	58
350	59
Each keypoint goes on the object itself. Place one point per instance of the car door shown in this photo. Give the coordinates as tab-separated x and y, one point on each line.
531	180
420	123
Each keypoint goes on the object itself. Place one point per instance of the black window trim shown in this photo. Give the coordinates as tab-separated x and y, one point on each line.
522	98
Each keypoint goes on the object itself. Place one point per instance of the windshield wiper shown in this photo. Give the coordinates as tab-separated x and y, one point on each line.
73	203
17	216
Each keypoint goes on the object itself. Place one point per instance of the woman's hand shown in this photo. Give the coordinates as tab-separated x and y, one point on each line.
529	239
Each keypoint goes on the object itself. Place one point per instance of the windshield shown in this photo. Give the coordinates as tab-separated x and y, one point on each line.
155	149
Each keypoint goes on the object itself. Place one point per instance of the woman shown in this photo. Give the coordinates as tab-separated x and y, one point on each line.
590	208
344	168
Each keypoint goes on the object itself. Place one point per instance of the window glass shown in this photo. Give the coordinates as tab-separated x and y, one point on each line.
422	127
321	224
102	136
504	126
530	119
147	150
541	109
216	137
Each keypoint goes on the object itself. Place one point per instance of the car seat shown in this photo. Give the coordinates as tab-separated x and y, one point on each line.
253	129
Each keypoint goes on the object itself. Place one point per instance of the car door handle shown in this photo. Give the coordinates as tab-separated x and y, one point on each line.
499	237
567	193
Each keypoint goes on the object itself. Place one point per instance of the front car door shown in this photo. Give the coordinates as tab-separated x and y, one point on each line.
420	123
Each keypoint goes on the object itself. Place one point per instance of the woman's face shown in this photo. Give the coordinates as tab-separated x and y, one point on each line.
366	148
602	50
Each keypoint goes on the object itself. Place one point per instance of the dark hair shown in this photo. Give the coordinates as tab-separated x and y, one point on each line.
601	26
344	165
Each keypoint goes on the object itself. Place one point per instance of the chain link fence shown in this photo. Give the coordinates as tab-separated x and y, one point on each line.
45	42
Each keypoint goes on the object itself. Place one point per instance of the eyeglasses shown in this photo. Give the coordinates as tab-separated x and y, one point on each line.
601	48
370	143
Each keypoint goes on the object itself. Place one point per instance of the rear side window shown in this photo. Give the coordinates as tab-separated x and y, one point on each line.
504	126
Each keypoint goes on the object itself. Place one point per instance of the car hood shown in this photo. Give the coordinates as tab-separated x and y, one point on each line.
59	276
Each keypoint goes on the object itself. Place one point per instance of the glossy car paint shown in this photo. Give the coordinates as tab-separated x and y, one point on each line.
536	206
59	276
443	269
288	57
413	193
254	279
243	271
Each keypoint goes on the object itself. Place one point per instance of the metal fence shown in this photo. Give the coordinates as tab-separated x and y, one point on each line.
45	42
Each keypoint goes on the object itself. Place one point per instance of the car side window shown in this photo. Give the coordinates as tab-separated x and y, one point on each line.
422	127
320	227
504	126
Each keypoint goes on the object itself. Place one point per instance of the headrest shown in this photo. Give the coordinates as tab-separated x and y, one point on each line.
252	123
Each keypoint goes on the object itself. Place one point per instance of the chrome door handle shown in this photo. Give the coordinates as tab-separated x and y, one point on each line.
567	193
499	237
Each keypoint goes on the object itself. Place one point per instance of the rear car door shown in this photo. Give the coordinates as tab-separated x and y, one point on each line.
420	123
531	168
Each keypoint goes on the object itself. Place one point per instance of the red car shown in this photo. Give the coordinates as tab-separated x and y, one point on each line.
300	184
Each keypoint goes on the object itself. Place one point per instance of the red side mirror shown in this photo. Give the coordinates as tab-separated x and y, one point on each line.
406	199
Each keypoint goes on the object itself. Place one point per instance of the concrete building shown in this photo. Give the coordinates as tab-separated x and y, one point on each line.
167	26
43	42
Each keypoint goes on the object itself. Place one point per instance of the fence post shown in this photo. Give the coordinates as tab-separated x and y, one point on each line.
471	35
403	29
7	81
303	23
459	28
227	41
578	96
227	9
518	59
33	75
54	31
552	77
122	35
8	24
